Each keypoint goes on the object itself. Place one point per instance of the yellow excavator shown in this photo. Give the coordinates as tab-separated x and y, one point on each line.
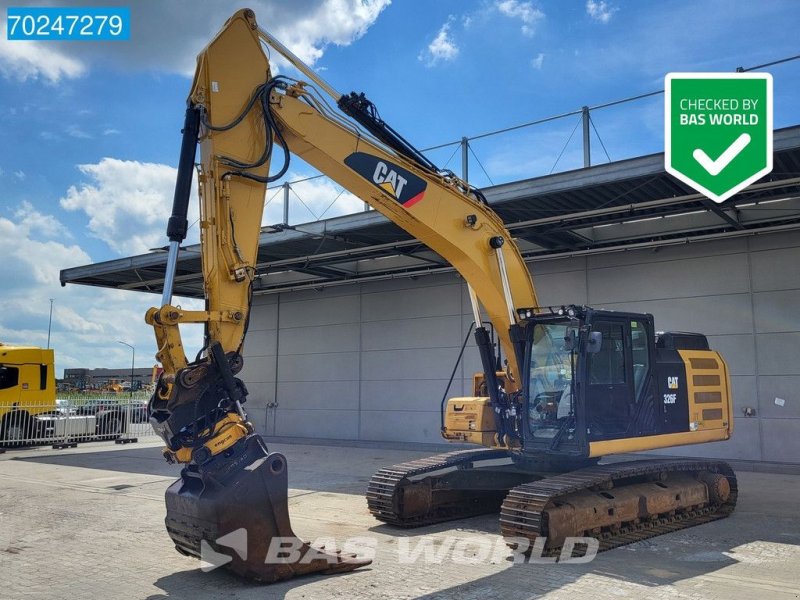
561	387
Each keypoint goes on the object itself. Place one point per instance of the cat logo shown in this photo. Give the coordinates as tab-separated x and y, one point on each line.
397	182
388	179
672	383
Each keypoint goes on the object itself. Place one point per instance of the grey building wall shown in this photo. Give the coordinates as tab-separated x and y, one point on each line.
371	361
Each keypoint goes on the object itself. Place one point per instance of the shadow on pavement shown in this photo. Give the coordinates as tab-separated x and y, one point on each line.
130	459
487	523
659	561
316	469
221	583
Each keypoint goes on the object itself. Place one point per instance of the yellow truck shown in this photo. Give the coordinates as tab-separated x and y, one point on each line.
30	413
27	391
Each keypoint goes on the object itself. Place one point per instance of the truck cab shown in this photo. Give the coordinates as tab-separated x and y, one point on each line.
27	389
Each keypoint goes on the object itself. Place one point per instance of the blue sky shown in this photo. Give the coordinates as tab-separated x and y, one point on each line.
89	132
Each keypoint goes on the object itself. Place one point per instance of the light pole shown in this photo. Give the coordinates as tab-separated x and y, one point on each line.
133	359
50	323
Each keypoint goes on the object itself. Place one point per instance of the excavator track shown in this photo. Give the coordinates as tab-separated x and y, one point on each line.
390	500
528	509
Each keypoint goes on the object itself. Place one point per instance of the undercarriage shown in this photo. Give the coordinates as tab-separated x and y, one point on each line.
616	504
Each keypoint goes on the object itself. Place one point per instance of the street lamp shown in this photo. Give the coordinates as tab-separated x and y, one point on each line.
133	359
50	323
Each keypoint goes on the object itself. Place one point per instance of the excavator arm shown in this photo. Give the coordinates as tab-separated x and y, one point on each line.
243	117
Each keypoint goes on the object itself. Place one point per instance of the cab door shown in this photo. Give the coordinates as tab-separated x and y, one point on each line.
610	402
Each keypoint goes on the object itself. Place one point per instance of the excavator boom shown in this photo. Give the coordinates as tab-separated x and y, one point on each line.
230	504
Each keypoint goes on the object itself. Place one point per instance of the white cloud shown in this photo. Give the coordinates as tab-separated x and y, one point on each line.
34	223
600	10
33	261
87	321
128	203
524	11
308	27
538	61
30	60
77	132
20	175
111	131
170	34
442	48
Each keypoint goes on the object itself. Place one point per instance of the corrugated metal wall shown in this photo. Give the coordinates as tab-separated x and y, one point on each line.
371	361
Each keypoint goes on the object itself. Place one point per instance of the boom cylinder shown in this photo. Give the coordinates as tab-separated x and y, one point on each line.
178	223
484	343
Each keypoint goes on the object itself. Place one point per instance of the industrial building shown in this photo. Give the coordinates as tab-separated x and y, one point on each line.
356	327
79	378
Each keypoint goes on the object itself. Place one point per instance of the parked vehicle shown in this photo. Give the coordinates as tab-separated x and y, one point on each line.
65	407
27	389
94	406
139	412
31	414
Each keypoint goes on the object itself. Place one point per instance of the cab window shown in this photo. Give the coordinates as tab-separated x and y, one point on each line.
641	355
9	377
607	367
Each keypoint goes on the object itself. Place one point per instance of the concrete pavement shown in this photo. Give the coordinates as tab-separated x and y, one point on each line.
88	523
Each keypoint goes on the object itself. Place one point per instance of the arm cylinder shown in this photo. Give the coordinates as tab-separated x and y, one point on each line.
177	226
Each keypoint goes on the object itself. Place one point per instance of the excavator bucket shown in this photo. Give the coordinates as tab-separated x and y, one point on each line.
235	514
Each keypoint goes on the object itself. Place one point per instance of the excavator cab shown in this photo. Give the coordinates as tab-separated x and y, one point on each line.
597	382
600	378
587	378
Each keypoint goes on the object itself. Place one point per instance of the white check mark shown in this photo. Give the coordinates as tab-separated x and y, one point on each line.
715	167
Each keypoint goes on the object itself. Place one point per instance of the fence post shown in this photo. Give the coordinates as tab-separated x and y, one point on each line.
587	152
465	159
285	202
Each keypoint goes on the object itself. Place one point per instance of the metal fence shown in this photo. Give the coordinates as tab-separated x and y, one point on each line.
73	420
553	137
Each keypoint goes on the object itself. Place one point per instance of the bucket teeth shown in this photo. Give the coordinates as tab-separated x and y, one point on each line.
233	512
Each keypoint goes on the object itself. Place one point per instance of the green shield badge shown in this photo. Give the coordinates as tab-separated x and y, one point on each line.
718	130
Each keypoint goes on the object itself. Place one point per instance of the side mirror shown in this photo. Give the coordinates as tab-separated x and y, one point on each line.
595	342
570	340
